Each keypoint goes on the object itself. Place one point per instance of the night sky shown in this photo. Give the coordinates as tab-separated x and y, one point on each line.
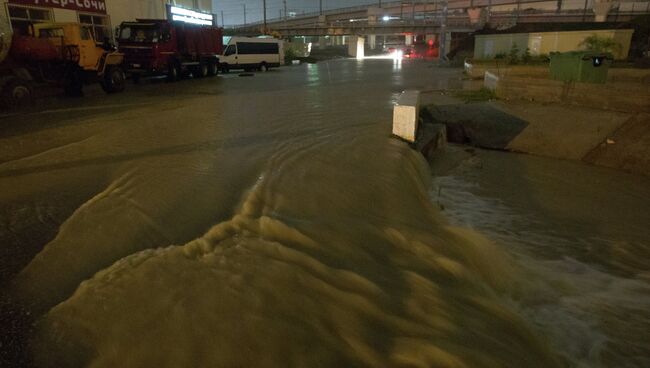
233	10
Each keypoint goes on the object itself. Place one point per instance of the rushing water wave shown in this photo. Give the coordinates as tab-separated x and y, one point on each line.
265	222
579	232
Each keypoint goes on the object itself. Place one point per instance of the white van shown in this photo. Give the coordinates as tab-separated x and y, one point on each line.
252	53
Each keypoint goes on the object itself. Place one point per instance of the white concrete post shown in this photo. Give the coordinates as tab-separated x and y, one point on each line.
356	47
408	40
406	114
490	81
372	41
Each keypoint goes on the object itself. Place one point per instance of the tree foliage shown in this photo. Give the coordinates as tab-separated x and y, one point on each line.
601	44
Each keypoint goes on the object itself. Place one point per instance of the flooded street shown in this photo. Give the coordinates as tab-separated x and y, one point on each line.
272	221
581	234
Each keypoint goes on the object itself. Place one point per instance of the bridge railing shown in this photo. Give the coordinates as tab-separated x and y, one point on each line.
456	16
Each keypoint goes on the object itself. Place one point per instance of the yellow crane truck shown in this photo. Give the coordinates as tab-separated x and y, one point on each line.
63	54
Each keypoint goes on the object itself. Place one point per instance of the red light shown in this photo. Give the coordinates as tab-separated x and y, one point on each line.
431	42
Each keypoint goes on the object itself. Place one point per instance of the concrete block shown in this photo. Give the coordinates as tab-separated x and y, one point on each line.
356	46
406	114
490	81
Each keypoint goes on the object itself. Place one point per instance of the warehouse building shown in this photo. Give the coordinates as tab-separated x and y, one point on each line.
102	16
544	43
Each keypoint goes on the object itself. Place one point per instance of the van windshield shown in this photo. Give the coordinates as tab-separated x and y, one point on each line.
231	50
139	33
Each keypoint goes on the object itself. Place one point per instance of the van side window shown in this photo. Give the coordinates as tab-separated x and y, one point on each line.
231	50
258	48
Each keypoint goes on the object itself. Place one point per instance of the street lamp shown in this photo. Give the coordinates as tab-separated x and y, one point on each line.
264	6
386	18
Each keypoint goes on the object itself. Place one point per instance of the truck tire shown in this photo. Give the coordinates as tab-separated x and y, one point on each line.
114	80
73	83
201	70
16	92
264	67
173	73
225	68
212	68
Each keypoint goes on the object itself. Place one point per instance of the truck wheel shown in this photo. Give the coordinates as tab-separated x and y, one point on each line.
73	83
174	73
16	92
263	67
225	68
212	68
114	80
201	71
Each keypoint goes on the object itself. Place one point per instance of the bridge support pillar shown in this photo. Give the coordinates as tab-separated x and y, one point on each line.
356	46
601	9
372	42
408	40
374	15
477	16
445	45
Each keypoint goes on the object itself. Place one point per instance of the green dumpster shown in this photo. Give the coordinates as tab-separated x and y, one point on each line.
580	66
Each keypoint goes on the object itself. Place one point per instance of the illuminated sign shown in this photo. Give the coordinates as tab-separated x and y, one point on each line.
91	6
190	16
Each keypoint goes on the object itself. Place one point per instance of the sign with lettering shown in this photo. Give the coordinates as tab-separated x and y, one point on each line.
90	6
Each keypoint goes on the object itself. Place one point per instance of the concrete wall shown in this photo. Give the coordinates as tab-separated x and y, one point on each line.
622	96
488	46
128	10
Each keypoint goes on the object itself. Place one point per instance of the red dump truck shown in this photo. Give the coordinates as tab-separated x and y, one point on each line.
161	47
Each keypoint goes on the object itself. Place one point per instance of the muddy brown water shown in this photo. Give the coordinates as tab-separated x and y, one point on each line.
580	230
272	221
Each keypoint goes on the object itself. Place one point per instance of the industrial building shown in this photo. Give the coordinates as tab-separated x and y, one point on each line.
488	46
101	15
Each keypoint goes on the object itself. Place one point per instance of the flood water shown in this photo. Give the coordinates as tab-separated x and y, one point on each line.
580	233
272	221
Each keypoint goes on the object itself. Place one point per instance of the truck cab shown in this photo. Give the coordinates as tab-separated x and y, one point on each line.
63	54
84	60
148	46
71	35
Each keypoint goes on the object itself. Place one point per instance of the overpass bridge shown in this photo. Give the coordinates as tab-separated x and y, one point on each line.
436	16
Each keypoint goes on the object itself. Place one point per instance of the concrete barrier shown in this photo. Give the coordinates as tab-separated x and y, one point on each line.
490	81
406	114
625	97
